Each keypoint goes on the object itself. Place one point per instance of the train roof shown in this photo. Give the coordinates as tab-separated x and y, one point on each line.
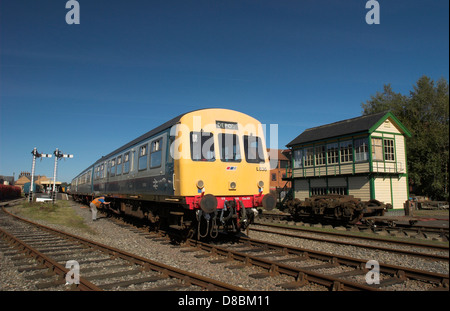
151	133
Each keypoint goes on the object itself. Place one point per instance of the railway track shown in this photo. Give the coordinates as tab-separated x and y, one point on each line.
330	271
333	272
44	253
404	247
349	273
299	269
388	227
207	250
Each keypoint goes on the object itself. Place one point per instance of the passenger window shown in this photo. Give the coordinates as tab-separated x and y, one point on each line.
126	163
156	153
113	167
202	146
253	149
119	166
142	162
229	148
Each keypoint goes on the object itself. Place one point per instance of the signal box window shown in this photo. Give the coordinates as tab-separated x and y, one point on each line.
346	151
361	149
253	149
389	152
298	158
309	157
155	153
320	155
202	146
143	152
333	153
229	148
377	149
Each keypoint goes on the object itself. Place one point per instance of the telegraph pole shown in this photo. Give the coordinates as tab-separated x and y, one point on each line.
35	154
58	155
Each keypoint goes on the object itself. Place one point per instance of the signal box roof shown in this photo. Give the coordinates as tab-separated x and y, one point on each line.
363	124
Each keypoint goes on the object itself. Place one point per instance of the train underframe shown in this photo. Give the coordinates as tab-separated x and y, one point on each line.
201	217
342	208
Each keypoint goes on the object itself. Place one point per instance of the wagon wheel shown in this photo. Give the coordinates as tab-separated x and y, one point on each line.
369	222
391	224
357	218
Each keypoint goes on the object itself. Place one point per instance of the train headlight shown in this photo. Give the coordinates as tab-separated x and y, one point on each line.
200	184
232	185
260	184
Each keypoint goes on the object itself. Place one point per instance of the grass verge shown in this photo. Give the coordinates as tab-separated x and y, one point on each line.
59	213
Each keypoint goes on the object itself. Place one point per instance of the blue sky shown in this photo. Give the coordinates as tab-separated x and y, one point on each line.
129	66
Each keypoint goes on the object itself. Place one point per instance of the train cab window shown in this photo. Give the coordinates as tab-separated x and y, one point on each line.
102	171
202	146
156	153
126	163
142	162
253	149
229	148
119	166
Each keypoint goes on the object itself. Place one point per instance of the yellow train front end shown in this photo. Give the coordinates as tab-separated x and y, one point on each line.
221	168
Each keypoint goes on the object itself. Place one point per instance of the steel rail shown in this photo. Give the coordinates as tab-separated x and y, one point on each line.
9	202
51	264
302	276
328	281
147	264
381	248
398	227
442	279
370	238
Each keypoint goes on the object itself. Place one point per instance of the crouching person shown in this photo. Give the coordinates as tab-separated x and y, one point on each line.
95	204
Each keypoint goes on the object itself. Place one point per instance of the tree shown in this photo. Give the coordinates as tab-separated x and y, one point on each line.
425	112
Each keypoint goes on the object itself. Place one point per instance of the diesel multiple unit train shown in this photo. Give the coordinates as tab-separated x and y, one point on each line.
200	173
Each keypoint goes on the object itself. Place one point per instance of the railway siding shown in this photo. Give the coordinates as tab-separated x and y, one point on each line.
221	268
139	265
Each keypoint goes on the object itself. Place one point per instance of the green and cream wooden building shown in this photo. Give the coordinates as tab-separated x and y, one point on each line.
364	157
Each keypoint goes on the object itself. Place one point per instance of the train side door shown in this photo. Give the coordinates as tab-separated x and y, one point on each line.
170	163
133	171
